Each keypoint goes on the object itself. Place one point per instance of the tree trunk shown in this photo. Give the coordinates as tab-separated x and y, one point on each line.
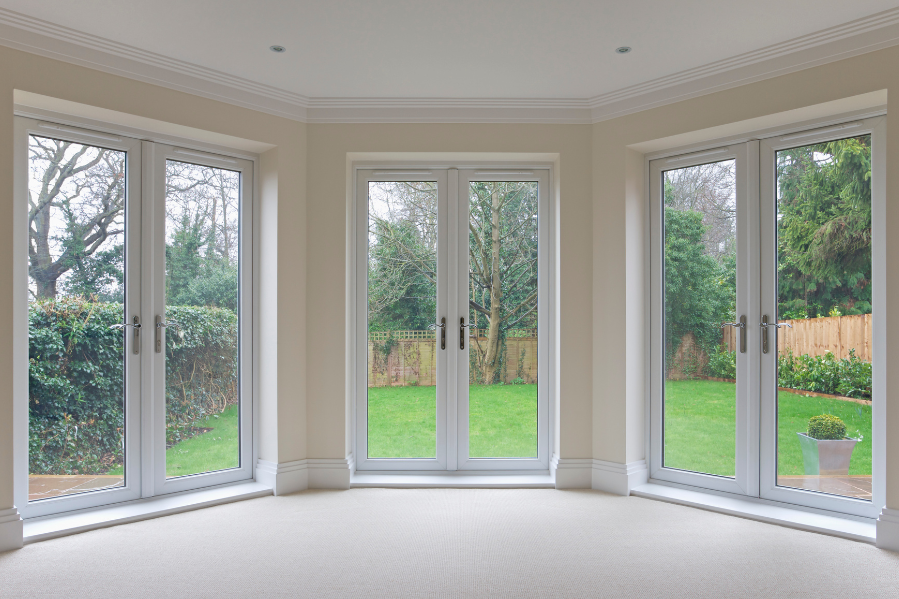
496	292
41	261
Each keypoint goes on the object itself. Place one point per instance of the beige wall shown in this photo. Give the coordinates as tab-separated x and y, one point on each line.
282	203
329	146
618	234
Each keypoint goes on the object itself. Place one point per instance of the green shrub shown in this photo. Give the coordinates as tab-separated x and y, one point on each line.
826	427
76	380
849	377
722	363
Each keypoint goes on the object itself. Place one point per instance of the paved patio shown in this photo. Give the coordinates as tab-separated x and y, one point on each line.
848	486
46	486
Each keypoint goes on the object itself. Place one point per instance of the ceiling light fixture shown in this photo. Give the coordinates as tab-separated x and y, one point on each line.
278	49
622	50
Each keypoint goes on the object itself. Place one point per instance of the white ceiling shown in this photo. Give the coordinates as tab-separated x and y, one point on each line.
519	49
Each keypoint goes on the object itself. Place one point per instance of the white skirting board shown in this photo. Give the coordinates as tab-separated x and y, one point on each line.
284	478
330	473
888	529
571	473
617	478
313	473
11	529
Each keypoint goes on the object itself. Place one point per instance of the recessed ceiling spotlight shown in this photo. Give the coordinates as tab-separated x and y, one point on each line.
278	49
623	50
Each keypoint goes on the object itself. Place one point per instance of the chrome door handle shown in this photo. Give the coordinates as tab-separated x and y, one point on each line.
742	326
135	342
160	324
442	327
765	324
462	334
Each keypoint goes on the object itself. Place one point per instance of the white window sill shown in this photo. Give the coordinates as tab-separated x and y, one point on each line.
452	480
49	527
863	530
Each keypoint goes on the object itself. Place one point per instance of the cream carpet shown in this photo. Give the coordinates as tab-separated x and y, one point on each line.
449	543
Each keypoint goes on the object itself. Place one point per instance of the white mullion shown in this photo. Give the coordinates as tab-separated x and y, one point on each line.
450	280
361	301
459	249
151	183
156	248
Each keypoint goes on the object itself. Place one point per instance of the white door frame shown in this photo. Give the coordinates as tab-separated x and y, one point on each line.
452	421
24	127
145	414
745	481
154	285
756	476
459	307
876	127
363	462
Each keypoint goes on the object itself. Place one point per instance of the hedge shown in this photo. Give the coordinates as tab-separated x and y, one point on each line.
76	380
849	377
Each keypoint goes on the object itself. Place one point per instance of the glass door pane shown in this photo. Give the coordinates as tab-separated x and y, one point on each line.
403	341
502	319
699	411
824	300
202	327
76	295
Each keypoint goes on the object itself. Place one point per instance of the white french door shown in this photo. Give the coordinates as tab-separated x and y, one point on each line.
134	303
201	206
765	272
452	284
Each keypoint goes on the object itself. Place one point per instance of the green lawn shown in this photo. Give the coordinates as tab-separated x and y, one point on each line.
503	421
213	450
699	427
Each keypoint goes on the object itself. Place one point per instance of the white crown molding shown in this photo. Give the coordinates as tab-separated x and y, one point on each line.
68	45
40	37
854	38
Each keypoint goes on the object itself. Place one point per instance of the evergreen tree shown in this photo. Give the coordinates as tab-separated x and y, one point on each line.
824	228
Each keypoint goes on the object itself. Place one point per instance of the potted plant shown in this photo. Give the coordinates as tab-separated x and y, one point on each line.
825	447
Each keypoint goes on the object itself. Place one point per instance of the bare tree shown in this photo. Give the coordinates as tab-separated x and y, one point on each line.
502	256
709	189
75	204
502	262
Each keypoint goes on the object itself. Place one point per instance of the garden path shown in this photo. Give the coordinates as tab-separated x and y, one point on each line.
849	486
45	486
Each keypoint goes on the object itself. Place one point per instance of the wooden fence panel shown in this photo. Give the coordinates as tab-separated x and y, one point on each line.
412	359
816	336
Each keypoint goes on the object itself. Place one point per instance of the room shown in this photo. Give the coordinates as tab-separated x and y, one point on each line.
468	299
